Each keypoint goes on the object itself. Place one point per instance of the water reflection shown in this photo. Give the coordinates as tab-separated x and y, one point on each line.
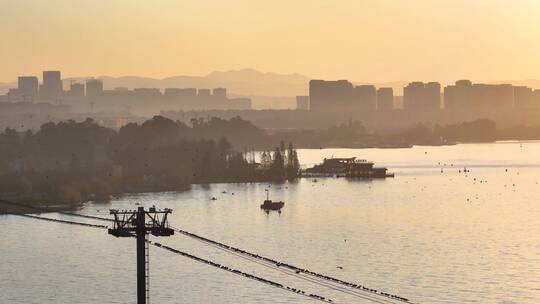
450	237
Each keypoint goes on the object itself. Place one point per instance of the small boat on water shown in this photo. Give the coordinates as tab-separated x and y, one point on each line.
268	204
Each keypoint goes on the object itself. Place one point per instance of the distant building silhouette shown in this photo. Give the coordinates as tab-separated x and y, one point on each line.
189	92
51	89
523	97
536	98
465	99
302	102
385	99
458	96
76	91
413	95
146	93
28	87
172	93
330	95
492	96
465	96
220	93
420	96
365	97
94	87
119	100
204	93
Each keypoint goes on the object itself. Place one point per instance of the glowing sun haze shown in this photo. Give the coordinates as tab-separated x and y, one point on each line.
372	41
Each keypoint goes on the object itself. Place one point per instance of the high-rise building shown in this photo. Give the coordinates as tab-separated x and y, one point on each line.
28	87
365	97
536	99
189	92
487	97
385	99
204	93
523	97
432	96
458	97
413	95
220	93
145	93
51	88
171	93
76	91
423	97
302	102
94	87
330	95
465	96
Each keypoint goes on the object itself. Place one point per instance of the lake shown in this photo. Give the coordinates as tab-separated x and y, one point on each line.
432	234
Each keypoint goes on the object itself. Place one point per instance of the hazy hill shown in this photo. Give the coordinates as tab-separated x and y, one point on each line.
247	82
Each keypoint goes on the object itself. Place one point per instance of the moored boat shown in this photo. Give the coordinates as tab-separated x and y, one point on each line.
268	204
347	167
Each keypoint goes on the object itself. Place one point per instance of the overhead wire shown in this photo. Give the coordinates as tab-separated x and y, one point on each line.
288	269
193	257
54	220
244	274
357	287
308	279
46	209
321	282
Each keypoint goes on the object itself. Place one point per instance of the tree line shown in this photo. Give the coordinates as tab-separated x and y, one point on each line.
69	162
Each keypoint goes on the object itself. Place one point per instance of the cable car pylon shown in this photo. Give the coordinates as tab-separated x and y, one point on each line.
139	223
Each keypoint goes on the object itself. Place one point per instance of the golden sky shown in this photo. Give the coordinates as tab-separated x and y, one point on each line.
361	40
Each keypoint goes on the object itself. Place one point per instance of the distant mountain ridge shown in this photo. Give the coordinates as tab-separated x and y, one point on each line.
247	82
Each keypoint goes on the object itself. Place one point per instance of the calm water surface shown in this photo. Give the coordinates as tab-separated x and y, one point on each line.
429	235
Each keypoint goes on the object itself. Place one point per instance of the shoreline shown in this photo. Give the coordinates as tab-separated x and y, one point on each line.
47	205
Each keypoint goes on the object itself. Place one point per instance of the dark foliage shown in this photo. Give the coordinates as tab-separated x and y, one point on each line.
73	161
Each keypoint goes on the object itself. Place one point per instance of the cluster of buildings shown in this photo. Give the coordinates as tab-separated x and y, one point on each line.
330	95
468	96
418	96
92	93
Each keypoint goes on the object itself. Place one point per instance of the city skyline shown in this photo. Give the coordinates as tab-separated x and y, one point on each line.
463	96
248	77
418	40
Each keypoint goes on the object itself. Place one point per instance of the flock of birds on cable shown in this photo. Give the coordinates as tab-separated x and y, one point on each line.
297	270
244	274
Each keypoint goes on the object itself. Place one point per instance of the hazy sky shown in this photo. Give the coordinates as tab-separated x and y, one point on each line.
360	40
